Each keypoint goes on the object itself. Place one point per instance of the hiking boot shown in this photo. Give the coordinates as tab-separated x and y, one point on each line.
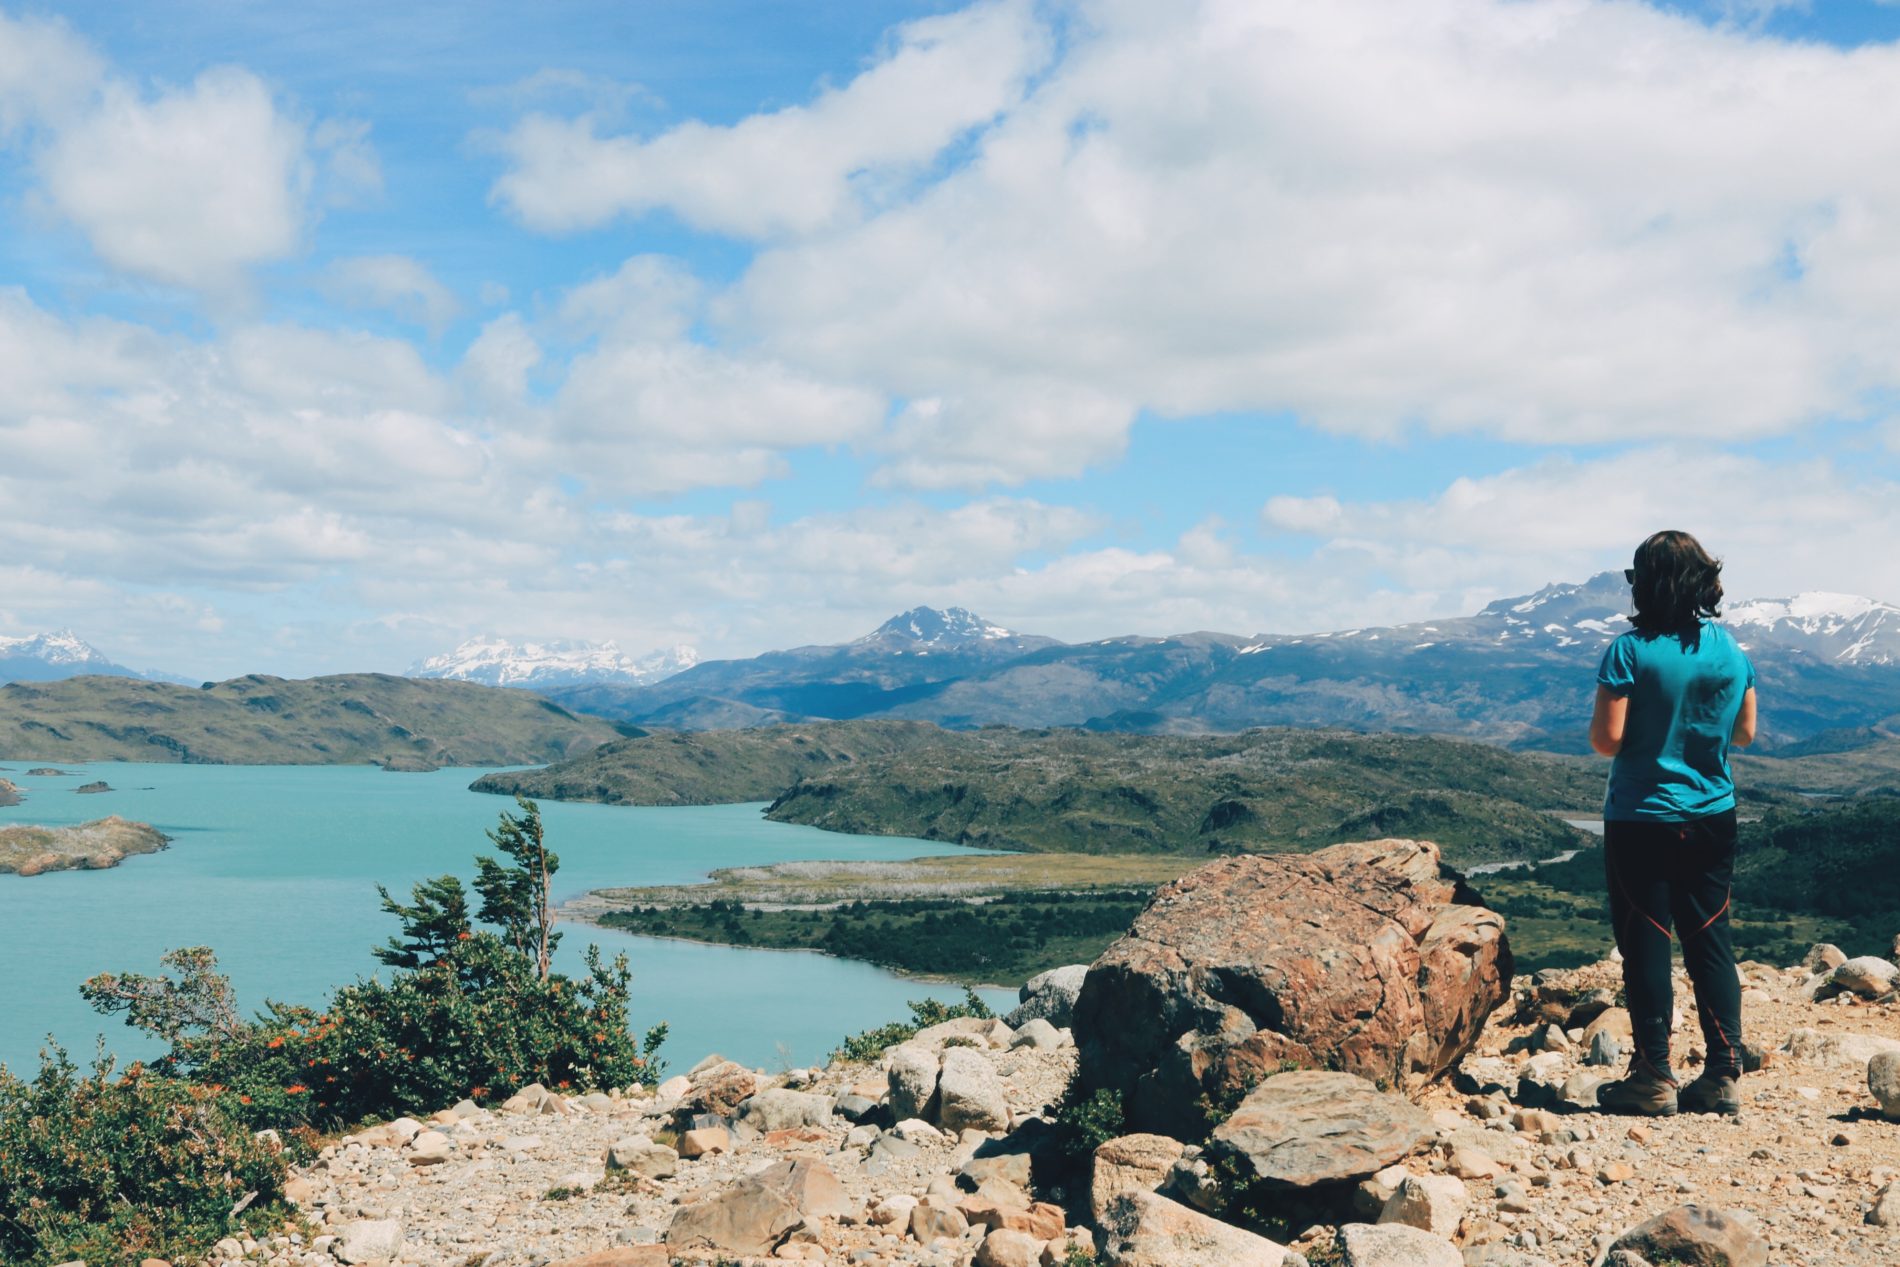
1711	1093
1642	1094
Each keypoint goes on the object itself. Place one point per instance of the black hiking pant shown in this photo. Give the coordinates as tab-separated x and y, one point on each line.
1676	874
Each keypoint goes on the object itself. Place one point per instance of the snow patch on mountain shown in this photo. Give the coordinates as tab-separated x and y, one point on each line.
929	627
1846	628
49	657
562	662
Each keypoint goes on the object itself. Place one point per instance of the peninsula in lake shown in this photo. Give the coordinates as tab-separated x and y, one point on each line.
104	842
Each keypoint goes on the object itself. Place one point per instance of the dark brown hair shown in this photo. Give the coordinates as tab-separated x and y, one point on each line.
1675	583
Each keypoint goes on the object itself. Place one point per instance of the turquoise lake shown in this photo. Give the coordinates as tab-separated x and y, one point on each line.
276	868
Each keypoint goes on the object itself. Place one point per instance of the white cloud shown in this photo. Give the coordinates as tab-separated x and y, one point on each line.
798	169
45	71
398	283
189	188
1541	220
1780	526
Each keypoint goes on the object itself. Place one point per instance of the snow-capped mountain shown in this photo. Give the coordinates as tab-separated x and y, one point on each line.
494	662
1843	628
48	657
923	628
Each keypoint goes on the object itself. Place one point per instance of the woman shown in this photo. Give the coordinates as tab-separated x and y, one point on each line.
1673	695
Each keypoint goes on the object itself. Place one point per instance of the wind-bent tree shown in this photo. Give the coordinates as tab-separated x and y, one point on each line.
431	927
517	898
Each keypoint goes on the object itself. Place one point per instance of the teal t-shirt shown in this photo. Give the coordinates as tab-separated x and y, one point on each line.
1684	693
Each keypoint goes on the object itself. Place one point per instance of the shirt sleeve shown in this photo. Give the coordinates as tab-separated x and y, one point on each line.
1748	672
1617	670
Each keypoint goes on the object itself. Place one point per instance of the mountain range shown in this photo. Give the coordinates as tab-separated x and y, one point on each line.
535	665
1518	672
49	657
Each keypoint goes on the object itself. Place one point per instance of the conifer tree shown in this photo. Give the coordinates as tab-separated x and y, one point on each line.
431	927
516	898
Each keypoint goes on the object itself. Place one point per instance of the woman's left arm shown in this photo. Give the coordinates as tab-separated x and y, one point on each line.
1606	721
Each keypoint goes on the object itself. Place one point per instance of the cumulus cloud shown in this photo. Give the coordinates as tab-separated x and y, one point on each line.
1777	524
189	188
1544	221
45	72
398	283
798	169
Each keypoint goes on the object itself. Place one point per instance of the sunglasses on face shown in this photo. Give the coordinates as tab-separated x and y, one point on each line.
1629	575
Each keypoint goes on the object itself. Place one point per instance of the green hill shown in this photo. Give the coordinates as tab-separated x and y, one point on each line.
1077	791
720	767
351	719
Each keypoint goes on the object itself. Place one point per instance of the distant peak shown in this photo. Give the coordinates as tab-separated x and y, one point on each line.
1811	605
495	661
930	626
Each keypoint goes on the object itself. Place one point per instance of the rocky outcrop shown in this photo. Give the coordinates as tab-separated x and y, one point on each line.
9	793
1367	958
1141	1229
90	846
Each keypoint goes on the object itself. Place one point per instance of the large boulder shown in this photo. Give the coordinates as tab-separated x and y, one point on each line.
780	1109
970	1094
1049	996
1395	1245
1368	958
1310	1128
754	1215
1145	1230
1698	1236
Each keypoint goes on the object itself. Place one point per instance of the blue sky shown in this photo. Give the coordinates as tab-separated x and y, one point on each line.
336	337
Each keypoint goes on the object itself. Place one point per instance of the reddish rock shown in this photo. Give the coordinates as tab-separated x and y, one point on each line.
1699	1236
1368	958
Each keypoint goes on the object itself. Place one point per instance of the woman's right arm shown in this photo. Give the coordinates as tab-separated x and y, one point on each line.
1744	732
1607	719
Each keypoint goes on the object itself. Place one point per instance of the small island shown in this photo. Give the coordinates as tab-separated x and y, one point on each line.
409	763
48	772
86	789
104	842
9	793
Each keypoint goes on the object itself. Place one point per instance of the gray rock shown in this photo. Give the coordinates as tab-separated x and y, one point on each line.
1604	1050
1698	1236
1145	1230
1130	1163
855	1108
912	1074
970	1094
1395	1245
1868	976
1885	1211
1036	1032
1823	957
366	1240
1498	1254
780	1109
1883	1079
1433	1203
1049	996
1010	1168
642	1156
1309	1127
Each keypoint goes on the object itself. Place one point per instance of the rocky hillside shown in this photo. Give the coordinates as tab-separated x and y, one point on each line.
104	842
969	1144
352	719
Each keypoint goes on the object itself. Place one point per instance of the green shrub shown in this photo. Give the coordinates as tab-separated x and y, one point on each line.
1085	1122
478	1022
924	1013
110	1167
465	1012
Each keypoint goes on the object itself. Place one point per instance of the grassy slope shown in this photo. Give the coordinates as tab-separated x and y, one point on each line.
343	720
1075	791
710	767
